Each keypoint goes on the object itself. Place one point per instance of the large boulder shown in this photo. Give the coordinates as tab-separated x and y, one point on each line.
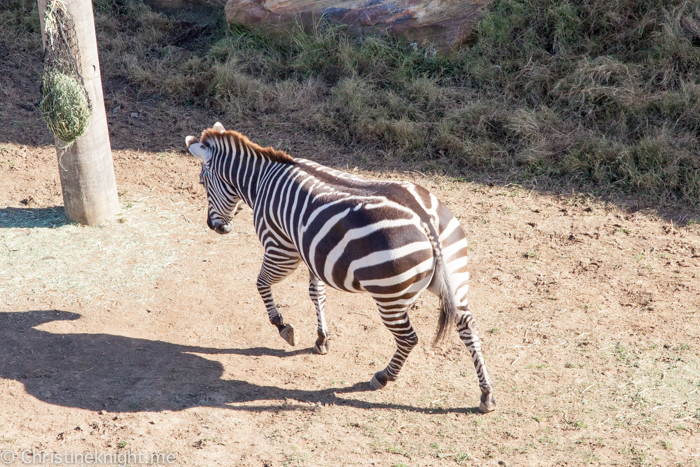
444	24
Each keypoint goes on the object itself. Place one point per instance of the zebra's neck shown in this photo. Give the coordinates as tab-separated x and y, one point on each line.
243	164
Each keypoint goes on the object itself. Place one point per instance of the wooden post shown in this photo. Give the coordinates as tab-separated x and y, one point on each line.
86	167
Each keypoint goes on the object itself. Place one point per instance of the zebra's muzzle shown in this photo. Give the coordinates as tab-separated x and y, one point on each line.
223	228
219	227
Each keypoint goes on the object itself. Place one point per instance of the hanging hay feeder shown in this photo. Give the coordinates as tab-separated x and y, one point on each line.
65	105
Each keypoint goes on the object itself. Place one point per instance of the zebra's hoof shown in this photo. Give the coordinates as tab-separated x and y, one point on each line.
488	403
287	334
322	349
378	381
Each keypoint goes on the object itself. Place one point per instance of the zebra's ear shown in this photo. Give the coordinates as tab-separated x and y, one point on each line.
198	149
219	127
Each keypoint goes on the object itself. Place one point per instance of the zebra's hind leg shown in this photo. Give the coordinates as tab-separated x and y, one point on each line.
396	320
317	292
468	332
273	270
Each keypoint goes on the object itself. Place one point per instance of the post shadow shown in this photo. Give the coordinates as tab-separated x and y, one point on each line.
124	374
30	218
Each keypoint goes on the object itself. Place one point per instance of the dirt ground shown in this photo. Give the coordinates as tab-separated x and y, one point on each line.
146	334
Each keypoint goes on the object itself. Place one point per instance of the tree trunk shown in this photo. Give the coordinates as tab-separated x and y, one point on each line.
86	167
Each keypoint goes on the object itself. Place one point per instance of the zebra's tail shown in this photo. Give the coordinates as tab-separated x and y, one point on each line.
448	306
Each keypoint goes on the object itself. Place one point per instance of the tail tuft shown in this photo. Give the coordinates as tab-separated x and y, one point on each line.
448	307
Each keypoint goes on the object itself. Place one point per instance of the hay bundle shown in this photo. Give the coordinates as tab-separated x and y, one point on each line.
65	105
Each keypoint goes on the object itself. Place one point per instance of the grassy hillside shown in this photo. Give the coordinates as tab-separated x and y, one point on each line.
601	93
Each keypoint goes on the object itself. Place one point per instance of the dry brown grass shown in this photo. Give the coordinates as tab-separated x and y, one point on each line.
600	94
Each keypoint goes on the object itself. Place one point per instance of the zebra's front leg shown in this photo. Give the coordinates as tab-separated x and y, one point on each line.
273	270
396	320
317	292
468	332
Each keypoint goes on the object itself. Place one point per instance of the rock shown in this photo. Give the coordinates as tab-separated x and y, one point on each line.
445	24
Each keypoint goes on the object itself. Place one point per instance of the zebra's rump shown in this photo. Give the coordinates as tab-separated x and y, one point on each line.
368	245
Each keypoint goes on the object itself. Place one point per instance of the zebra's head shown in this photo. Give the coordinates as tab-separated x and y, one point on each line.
224	203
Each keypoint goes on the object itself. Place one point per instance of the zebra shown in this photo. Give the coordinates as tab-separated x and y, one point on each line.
390	239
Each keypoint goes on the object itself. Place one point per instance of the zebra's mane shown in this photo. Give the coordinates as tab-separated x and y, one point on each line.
269	152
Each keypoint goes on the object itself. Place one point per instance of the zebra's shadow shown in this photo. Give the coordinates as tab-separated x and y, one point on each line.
124	374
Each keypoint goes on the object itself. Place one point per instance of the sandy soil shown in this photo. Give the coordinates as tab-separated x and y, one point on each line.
146	334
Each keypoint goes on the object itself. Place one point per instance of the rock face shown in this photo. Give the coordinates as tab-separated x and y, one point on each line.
446	24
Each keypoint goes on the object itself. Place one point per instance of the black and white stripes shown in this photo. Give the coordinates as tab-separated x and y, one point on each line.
390	239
